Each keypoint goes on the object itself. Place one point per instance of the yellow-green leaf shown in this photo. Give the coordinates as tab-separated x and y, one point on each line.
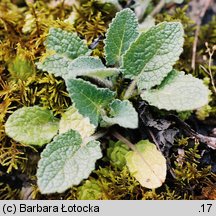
147	164
32	125
72	119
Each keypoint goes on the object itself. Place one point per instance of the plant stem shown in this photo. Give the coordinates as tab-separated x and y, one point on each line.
99	134
205	5
124	140
96	136
103	83
130	90
210	71
210	141
154	139
141	7
36	20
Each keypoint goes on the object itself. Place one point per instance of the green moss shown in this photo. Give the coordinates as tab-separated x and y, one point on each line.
204	112
90	190
167	194
184	115
92	18
21	67
116	154
8	193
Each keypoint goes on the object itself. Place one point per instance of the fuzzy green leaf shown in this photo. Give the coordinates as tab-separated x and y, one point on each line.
32	125
66	162
151	57
66	43
81	66
72	119
55	64
62	48
178	92
89	66
122	32
89	99
123	114
147	164
175	1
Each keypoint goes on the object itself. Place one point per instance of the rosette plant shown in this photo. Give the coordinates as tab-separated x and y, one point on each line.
146	58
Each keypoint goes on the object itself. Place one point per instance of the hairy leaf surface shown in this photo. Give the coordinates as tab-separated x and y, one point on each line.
89	66
89	99
66	47
72	119
123	114
66	162
32	125
178	92
55	64
66	43
121	33
151	57
81	66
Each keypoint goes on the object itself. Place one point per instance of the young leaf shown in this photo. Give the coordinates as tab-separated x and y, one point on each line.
123	114
121	33
147	165
81	66
174	1
72	119
89	99
66	43
32	125
178	92
67	47
55	64
89	66
151	57
66	162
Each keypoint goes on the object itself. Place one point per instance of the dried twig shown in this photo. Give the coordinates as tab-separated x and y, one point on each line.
205	4
210	141
130	90
154	139
211	77
209	71
158	8
140	8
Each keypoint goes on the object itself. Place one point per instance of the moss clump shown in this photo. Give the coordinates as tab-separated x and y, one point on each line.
21	67
116	154
91	190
